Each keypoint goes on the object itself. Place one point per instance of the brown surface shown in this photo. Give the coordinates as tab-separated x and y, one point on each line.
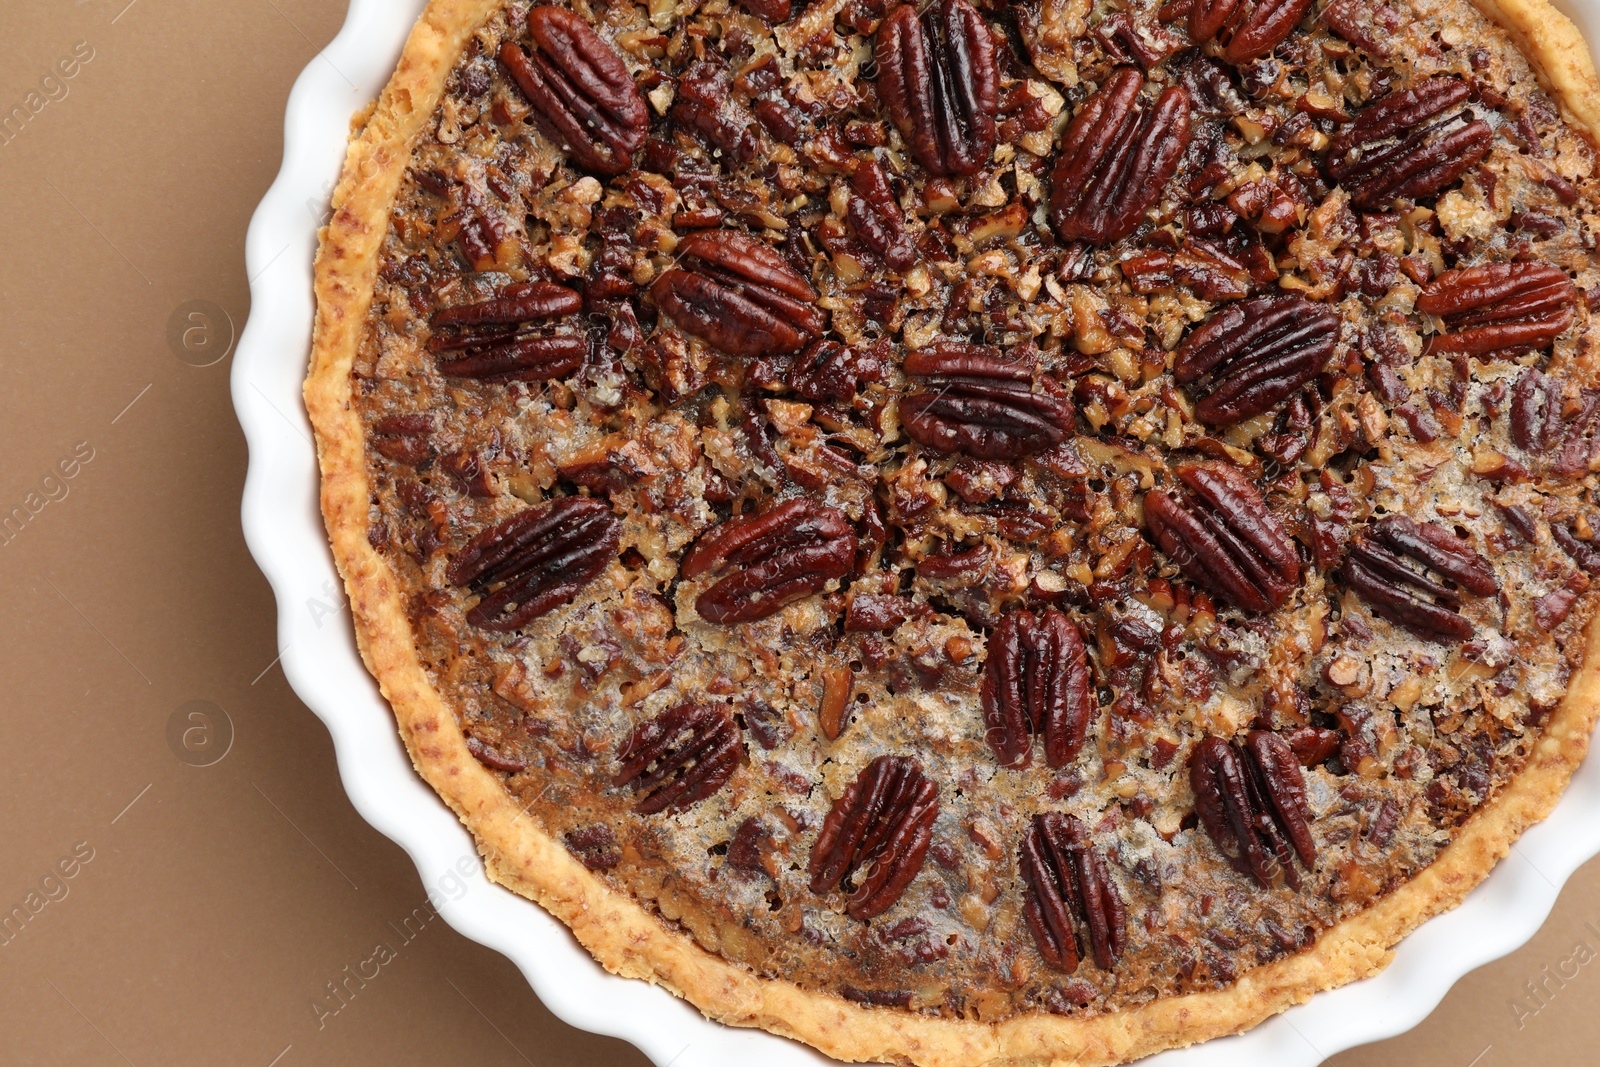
211	917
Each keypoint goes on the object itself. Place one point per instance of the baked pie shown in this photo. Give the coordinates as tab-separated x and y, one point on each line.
975	532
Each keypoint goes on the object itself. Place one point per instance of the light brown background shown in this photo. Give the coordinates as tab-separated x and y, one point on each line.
217	907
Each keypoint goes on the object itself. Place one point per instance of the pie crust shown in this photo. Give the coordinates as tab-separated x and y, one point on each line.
629	940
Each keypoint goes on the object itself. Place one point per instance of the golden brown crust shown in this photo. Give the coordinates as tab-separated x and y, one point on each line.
1558	52
624	936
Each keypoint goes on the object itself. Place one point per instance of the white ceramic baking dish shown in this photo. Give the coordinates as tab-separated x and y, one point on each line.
284	531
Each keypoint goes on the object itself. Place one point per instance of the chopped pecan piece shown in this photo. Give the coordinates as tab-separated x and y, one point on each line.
1036	681
1211	274
1250	356
771	10
876	837
1552	609
981	405
1248	29
750	849
493	758
1222	536
877	612
876	217
403	438
1499	307
1329	522
706	107
1251	800
1363	23
1132	40
1069	885
1580	439
1392	568
486	340
595	846
773	559
828	370
1411	143
838	682
738	295
486	238
680	757
471	471
536	561
583	97
769	726
939	81
1312	745
1584	553
1541	425
1115	159
1519	523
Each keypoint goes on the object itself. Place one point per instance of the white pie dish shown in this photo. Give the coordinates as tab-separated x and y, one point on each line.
285	533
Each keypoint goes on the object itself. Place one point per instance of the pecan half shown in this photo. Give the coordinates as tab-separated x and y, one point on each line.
1251	356
1069	885
528	359
981	405
1248	29
1411	143
876	217
1036	681
1222	536
939	80
680	757
583	97
773	559
1251	800
876	836
1115	159
487	340
1500	307
513	306
1393	568
739	295
536	561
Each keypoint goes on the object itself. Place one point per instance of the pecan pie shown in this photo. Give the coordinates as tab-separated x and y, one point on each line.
976	532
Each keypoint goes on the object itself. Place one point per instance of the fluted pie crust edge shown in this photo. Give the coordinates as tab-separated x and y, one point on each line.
629	940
